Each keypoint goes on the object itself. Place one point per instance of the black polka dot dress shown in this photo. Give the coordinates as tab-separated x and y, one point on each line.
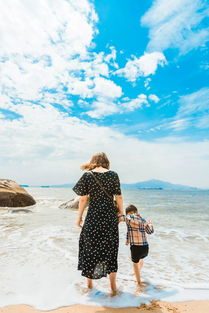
99	238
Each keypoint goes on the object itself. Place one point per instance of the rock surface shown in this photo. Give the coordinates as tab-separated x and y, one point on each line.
71	204
12	195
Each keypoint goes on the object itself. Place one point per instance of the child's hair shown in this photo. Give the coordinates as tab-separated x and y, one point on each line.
131	208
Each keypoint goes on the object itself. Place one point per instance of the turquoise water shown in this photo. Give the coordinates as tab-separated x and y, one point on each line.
39	252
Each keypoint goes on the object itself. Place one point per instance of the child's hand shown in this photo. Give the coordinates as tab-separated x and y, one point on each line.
149	222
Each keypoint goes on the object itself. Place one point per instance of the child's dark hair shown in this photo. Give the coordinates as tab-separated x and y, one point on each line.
131	208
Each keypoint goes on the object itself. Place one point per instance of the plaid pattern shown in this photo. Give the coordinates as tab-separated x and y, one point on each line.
137	228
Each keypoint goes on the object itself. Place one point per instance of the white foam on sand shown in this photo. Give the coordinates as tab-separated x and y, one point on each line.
47	288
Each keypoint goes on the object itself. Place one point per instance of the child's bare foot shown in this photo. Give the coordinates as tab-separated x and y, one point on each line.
115	293
144	284
140	286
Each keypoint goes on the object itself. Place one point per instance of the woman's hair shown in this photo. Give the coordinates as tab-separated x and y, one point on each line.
131	208
99	159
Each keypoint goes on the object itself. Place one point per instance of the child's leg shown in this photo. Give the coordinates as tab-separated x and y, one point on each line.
137	269
137	255
141	263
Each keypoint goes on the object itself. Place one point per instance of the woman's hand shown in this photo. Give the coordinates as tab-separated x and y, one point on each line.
119	201
79	222
82	204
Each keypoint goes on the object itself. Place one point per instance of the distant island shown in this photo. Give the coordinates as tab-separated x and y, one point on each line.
152	184
155	184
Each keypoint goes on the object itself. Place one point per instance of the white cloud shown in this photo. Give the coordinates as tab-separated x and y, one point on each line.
143	66
33	26
106	92
203	122
136	103
154	98
179	124
193	111
103	107
146	83
176	24
172	24
39	40
58	98
33	65
106	88
204	65
195	102
46	46
47	147
111	58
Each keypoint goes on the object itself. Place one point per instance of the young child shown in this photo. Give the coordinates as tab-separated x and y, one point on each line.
137	227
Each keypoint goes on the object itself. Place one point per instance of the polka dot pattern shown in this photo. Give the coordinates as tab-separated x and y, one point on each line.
99	238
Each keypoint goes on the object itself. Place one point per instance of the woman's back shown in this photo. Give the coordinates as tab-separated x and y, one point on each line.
88	185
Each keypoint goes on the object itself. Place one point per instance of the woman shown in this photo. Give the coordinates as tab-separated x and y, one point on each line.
99	239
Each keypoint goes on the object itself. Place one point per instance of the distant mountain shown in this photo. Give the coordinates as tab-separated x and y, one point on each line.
152	184
157	185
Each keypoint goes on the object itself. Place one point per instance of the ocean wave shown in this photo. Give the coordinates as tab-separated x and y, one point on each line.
39	255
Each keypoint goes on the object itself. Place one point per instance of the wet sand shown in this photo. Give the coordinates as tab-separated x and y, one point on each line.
154	307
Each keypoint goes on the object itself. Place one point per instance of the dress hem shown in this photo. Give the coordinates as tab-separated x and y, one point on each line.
105	275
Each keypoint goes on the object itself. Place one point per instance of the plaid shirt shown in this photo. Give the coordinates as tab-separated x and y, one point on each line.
137	227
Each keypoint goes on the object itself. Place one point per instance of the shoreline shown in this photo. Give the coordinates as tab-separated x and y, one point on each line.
201	306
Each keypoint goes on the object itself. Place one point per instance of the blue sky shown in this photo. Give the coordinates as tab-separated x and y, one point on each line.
185	73
129	78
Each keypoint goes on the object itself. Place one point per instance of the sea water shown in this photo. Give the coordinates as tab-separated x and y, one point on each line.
38	252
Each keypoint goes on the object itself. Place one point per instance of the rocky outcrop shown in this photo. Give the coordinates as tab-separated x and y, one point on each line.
71	204
12	195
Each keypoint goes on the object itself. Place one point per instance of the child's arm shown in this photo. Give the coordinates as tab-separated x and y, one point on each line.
137	221
121	218
148	227
134	221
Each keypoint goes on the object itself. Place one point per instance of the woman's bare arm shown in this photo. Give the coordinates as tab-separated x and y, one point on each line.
119	200
82	204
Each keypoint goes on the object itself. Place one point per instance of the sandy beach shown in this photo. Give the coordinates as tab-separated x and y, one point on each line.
155	307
